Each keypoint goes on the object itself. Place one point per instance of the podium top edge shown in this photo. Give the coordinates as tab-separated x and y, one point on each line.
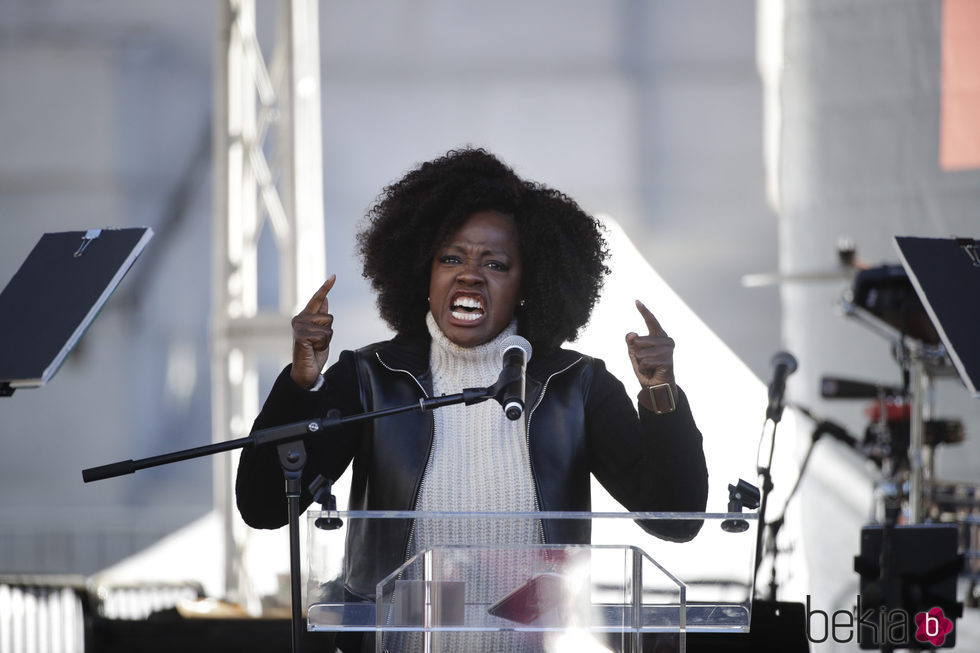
418	514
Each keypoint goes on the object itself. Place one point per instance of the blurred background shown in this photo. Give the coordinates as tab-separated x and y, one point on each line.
727	138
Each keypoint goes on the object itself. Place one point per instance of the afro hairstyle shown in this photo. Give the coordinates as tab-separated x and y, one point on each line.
563	252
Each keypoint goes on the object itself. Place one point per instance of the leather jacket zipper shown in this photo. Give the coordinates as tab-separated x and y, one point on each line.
527	441
428	456
418	493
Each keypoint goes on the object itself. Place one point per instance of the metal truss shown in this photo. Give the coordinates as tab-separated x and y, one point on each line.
268	171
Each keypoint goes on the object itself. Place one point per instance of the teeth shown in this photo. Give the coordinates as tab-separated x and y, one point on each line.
468	308
468	302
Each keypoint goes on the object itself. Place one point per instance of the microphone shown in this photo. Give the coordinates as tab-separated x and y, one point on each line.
832	387
516	352
782	364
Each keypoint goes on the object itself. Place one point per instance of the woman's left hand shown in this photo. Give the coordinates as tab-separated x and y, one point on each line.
652	356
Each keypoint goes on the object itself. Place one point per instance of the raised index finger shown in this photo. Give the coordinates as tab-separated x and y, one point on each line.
652	324
318	303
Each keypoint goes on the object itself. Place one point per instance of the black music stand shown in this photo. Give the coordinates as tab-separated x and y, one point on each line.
54	297
945	273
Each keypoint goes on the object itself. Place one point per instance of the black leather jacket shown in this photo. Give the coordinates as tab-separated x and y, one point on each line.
579	420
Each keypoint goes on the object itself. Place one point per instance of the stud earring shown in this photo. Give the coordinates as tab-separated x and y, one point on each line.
521	303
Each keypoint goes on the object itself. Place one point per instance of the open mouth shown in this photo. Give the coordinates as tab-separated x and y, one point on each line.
467	308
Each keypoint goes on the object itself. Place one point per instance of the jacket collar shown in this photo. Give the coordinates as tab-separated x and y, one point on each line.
412	354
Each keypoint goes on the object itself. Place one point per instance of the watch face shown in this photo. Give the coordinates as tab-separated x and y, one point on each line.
662	397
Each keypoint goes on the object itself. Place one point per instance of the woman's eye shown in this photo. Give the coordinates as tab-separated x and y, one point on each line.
449	258
497	265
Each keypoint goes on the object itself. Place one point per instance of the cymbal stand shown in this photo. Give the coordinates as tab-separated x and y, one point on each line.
919	362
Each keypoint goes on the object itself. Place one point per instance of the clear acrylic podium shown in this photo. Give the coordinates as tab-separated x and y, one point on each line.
626	585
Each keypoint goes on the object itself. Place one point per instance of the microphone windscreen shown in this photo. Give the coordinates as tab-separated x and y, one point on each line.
783	358
516	341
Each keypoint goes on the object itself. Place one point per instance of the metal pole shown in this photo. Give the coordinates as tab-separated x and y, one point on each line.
917	435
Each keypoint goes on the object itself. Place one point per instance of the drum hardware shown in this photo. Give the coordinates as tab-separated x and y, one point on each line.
848	265
908	309
902	431
959	503
888	435
883	299
887	293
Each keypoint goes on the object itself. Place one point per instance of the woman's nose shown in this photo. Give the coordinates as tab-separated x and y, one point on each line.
470	273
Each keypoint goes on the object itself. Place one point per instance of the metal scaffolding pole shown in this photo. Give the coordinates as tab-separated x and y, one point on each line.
249	193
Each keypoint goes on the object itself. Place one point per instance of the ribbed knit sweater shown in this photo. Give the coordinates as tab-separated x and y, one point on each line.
479	460
479	463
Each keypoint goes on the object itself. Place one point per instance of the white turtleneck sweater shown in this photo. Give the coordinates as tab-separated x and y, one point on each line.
479	463
479	460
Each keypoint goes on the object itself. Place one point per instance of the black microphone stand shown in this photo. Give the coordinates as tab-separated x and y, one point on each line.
766	473
774	413
783	364
288	439
820	428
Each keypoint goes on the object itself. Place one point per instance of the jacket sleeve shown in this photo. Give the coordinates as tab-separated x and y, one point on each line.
260	485
648	462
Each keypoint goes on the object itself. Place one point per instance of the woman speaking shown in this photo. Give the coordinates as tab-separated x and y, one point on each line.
463	254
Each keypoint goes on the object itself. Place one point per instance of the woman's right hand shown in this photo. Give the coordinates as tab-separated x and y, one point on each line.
312	332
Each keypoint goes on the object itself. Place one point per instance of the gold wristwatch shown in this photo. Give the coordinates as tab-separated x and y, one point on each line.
662	398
